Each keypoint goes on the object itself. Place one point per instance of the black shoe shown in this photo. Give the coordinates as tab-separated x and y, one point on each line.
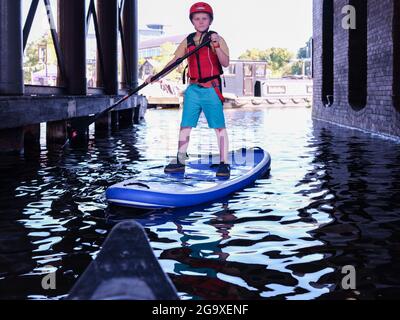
224	170
176	166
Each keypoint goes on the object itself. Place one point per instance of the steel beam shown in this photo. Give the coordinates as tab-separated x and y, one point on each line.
29	21
107	13
131	36
72	27
11	54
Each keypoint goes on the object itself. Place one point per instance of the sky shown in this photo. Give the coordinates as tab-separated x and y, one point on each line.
244	24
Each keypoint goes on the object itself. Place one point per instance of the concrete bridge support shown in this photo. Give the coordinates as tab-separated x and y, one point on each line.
11	55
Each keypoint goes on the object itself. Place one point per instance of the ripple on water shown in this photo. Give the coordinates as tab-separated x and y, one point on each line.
328	202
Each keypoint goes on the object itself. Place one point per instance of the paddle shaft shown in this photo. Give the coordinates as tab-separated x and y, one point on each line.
145	84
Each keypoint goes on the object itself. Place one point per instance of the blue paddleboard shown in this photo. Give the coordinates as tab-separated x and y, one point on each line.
157	190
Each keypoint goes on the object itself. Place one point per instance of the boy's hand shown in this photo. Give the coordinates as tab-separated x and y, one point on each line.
149	79
215	38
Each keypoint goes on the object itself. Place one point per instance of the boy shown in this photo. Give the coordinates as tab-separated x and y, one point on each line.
204	92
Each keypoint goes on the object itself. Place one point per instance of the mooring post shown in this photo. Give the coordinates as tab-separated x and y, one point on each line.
103	125
125	118
32	138
56	133
114	120
12	140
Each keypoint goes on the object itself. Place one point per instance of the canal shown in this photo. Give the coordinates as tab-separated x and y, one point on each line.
330	201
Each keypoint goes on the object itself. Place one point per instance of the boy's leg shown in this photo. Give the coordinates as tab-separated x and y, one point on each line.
177	165
223	144
190	117
184	139
214	112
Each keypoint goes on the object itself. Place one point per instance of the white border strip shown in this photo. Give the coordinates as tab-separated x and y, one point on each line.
140	204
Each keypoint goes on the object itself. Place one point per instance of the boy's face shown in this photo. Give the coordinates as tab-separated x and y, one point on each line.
201	21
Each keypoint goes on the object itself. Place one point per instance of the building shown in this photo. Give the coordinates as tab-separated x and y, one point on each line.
150	31
152	48
148	68
305	57
242	75
357	64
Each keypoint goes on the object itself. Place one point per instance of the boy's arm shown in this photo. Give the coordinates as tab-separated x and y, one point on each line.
221	49
179	53
150	78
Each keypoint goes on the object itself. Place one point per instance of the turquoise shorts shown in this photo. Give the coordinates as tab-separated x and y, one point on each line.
198	99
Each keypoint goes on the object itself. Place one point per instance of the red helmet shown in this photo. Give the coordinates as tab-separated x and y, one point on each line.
201	7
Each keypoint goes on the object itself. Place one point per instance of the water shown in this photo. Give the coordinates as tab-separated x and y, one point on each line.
331	200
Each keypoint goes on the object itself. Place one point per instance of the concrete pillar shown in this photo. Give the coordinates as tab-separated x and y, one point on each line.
136	115
78	131
114	120
125	118
103	125
107	12
11	55
32	138
12	140
131	36
56	133
72	26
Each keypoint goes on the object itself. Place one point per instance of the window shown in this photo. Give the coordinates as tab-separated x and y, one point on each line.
358	57
248	70
327	53
230	71
261	70
276	89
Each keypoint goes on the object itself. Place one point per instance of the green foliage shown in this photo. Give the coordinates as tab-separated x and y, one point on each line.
296	68
254	54
277	58
31	59
167	54
141	61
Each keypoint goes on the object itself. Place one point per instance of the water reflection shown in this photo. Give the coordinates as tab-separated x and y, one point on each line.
330	201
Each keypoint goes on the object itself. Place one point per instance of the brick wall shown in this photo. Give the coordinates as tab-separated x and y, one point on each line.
380	114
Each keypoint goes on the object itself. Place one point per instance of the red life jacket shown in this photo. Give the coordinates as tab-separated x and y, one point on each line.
204	65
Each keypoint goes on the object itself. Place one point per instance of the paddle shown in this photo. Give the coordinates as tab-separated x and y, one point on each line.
74	133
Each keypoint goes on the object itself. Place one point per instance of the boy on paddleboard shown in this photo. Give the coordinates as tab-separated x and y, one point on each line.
204	92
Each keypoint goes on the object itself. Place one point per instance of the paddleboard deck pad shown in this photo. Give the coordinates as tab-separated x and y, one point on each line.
198	185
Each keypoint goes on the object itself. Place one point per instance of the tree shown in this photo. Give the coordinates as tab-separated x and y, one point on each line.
31	59
277	58
167	53
254	54
295	68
